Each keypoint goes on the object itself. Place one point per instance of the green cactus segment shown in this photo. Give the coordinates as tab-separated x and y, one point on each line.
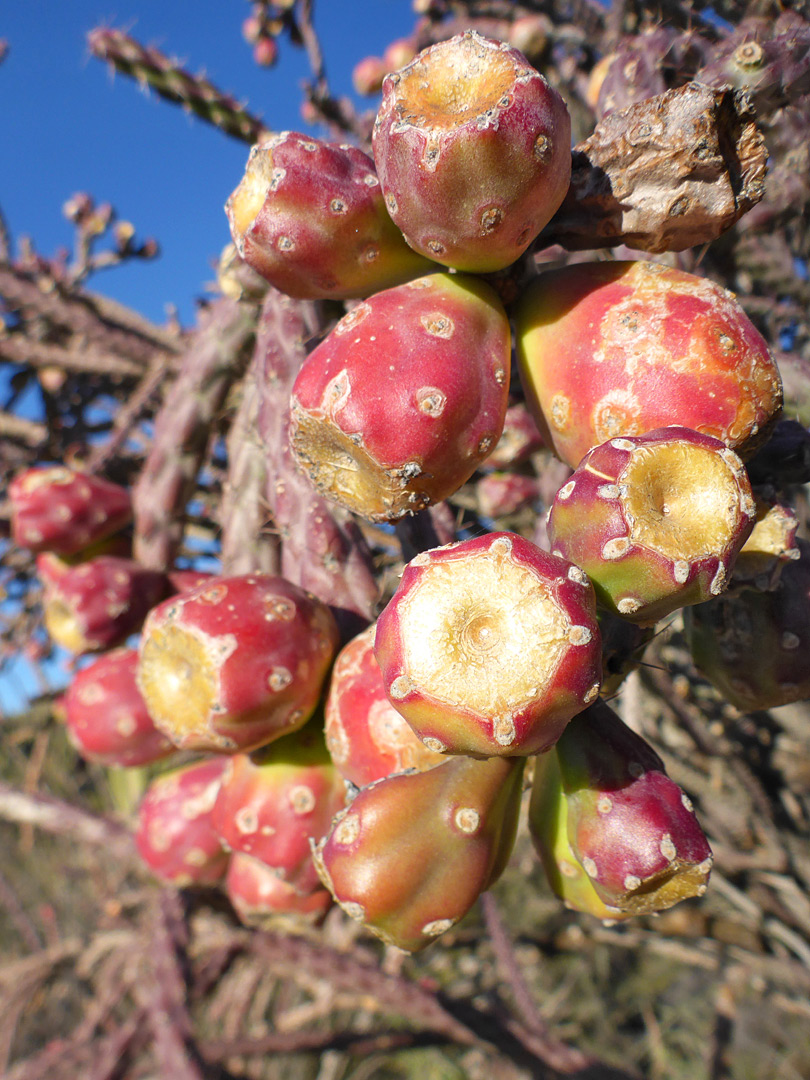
309	216
490	646
150	67
414	851
548	827
473	151
611	350
406	397
631	828
755	646
656	521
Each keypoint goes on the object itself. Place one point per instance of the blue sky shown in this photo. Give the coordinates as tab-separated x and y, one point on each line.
67	125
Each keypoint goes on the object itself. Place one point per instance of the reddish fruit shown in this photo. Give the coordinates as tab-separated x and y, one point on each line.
755	646
519	439
95	605
275	800
174	834
405	398
413	852
770	546
235	662
490	646
398	54
309	216
367	738
501	493
473	151
633	830
548	827
54	508
656	521
368	75
183	580
611	350
262	899
107	718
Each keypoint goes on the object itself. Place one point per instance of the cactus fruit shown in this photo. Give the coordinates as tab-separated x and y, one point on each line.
655	520
609	350
412	853
95	605
398	406
631	828
260	898
235	662
57	509
174	835
770	546
106	717
273	801
309	216
755	646
489	646
367	738
548	828
473	151
501	493
519	438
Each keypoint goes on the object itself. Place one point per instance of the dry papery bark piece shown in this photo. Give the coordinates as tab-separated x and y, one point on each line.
665	174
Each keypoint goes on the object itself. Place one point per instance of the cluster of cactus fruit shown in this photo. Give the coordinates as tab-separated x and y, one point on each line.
385	769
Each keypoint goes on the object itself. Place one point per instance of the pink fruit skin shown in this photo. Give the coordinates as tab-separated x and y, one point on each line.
107	718
612	349
57	509
413	852
505	493
367	738
260	897
262	648
323	230
97	604
628	823
475	187
415	379
174	834
270	806
536	721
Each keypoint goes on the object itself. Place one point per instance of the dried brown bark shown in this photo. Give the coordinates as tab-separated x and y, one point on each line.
665	174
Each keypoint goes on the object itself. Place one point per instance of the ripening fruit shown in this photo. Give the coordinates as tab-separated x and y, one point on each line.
755	646
174	835
608	350
414	851
95	605
656	521
57	509
367	738
260	897
398	406
274	801
473	150
309	216
235	662
489	646
548	827
630	827
106	717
